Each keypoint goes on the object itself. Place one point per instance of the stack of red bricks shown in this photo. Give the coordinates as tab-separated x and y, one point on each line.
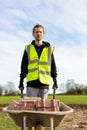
47	105
35	104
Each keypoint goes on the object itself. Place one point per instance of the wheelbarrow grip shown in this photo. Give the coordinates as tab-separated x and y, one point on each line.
21	93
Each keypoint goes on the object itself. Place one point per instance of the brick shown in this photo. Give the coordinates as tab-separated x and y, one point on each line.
35	104
12	105
47	105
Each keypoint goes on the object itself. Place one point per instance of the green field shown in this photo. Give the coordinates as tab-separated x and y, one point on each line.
72	99
67	99
6	123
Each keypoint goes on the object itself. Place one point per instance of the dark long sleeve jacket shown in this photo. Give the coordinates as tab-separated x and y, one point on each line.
24	66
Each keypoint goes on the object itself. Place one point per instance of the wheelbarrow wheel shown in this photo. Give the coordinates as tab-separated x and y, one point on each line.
39	127
29	128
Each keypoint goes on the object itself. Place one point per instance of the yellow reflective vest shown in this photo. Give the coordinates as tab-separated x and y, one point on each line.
39	68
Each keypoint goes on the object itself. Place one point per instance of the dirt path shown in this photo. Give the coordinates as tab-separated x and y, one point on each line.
76	120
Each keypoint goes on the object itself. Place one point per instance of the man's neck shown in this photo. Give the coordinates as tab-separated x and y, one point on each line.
38	43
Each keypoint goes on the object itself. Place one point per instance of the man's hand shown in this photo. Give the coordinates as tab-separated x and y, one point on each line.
21	86
55	86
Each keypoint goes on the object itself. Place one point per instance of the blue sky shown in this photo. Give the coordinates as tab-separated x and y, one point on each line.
65	23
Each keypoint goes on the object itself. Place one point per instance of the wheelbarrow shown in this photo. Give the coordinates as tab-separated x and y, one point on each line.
52	119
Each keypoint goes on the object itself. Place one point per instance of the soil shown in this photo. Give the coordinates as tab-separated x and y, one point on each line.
77	120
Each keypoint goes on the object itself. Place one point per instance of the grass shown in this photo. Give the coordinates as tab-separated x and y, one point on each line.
7	99
6	123
67	99
72	99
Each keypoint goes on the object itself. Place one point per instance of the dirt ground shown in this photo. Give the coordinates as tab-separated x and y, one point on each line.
77	120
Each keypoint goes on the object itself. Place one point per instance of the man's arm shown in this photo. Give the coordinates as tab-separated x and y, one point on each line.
53	68
24	70
54	72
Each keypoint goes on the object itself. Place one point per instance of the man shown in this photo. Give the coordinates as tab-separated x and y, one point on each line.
38	66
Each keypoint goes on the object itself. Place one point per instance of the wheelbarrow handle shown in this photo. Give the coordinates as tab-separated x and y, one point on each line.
54	97
54	93
21	93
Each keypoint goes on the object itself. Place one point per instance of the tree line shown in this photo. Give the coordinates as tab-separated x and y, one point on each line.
70	87
9	89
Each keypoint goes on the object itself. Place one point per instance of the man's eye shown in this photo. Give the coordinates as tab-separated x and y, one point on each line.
38	32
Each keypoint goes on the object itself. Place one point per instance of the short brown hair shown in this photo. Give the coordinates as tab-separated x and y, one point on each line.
37	26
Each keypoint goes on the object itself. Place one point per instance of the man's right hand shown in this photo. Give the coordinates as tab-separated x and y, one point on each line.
21	86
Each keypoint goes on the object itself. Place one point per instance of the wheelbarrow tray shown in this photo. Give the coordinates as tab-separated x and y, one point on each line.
34	118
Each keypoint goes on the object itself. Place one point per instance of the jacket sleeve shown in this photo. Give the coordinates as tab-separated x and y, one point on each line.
53	68
24	66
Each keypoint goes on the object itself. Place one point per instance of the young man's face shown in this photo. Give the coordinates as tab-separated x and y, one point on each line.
38	33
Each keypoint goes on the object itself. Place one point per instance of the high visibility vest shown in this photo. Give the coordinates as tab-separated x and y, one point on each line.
39	68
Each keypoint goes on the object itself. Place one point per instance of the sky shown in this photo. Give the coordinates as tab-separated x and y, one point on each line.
65	23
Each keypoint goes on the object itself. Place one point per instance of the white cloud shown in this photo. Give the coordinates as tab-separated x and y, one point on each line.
71	16
72	62
18	13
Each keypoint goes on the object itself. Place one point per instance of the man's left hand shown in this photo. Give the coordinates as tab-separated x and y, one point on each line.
55	85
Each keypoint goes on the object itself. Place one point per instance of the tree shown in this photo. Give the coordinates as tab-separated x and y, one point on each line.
70	84
9	88
1	90
75	88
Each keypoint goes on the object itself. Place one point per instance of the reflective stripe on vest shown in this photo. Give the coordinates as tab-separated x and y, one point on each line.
39	68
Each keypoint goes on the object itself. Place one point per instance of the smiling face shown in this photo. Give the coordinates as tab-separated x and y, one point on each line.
38	33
